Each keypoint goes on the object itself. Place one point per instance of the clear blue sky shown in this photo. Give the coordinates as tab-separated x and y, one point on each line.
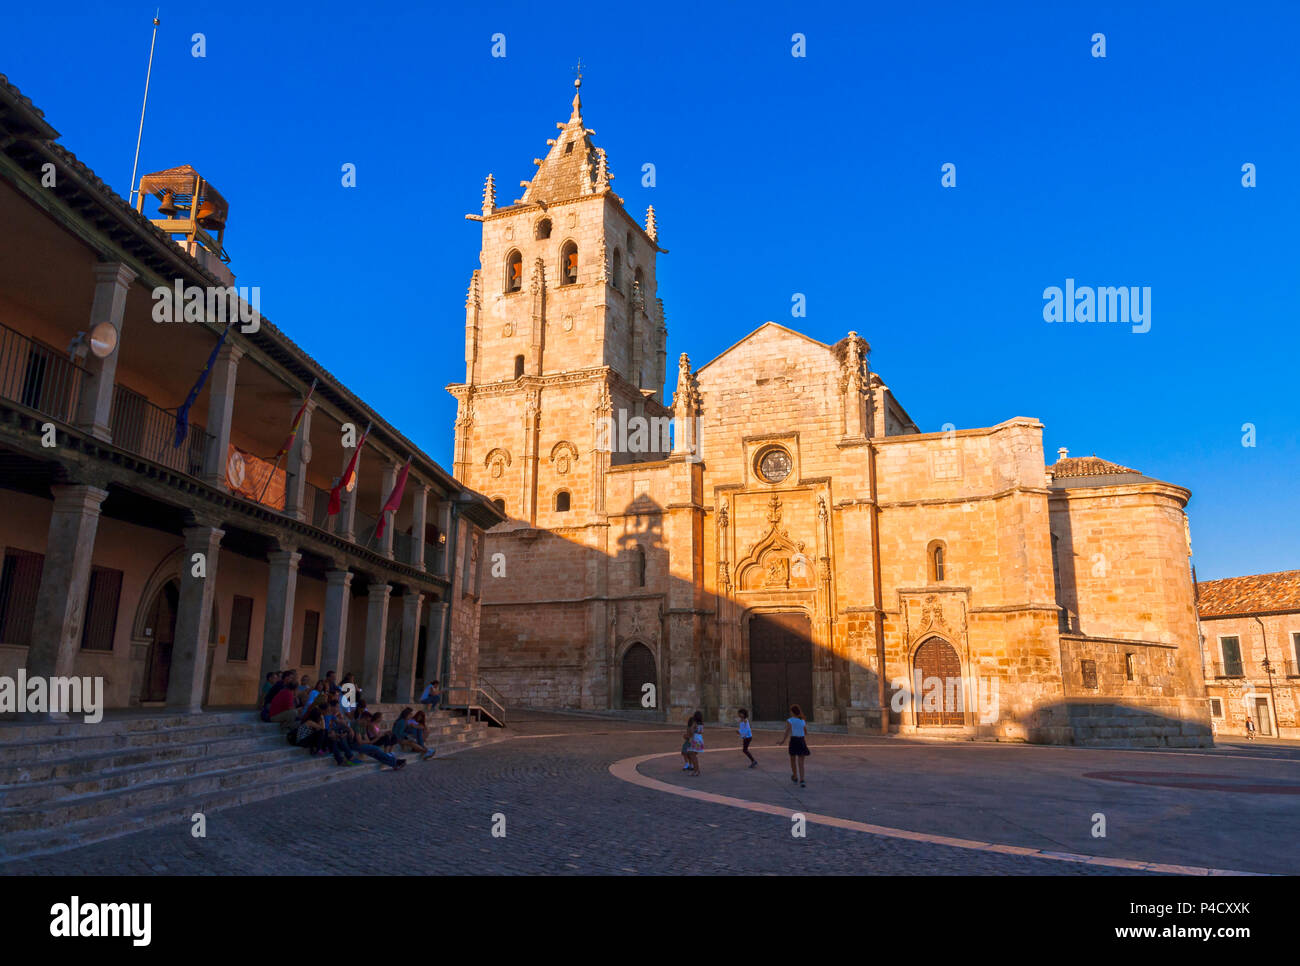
776	175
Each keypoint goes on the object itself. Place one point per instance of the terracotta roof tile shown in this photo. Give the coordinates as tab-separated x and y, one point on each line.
1087	466
1256	594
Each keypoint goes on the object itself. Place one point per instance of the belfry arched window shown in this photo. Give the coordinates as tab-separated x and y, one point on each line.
544	228
514	271
569	263
519	366
562	501
936	555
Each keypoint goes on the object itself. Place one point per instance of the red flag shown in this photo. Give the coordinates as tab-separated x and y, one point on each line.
394	500
336	494
297	421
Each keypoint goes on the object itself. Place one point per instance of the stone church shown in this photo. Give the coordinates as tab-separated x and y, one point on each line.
795	538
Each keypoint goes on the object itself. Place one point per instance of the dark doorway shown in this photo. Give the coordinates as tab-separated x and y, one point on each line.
162	621
419	660
937	659
780	665
638	671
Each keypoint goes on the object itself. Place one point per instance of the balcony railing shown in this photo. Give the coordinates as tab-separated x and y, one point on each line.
149	431
402	547
38	377
1228	671
432	557
316	504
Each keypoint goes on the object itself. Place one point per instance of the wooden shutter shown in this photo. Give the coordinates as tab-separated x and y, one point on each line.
101	609
310	634
241	620
20	581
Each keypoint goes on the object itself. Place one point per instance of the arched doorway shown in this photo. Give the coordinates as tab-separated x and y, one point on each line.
162	625
780	665
936	658
638	671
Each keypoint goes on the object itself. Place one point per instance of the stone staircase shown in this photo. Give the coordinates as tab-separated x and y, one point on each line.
67	784
1104	724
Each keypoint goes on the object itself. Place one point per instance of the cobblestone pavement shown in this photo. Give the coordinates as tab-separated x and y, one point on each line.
565	813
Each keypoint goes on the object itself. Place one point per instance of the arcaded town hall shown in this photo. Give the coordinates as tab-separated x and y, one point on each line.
799	540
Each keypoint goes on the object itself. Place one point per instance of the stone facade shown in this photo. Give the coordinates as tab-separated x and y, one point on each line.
797	539
1250	630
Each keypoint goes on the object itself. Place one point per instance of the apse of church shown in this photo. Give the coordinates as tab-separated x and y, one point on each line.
780	531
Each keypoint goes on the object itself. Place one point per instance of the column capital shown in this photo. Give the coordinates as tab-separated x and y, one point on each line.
339	577
77	497
289	558
230	352
114	272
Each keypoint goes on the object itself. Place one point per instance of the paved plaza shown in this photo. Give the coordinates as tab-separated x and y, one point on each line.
583	794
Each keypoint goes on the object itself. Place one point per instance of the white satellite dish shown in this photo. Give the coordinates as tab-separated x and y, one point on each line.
103	339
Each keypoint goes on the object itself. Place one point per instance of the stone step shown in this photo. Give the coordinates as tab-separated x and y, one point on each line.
112	823
96	741
72	767
17	730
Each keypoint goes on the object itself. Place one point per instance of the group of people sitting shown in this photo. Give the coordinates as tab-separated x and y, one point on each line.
330	717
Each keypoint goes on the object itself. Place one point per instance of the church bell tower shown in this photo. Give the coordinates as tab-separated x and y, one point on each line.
564	335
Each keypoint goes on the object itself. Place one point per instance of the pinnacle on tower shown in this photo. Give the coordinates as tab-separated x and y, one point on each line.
651	227
489	195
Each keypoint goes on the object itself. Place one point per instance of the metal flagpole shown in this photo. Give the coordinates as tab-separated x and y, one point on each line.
284	452
140	134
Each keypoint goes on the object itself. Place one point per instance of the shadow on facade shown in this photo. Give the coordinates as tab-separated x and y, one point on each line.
572	625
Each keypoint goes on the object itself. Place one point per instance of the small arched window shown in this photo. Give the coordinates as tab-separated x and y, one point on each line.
562	501
519	366
544	228
937	553
569	263
638	566
638	282
616	273
500	504
514	271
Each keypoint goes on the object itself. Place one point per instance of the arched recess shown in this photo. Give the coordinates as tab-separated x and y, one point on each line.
934	656
637	668
169	568
936	561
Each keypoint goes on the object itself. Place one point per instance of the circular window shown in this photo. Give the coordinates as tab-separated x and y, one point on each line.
774	465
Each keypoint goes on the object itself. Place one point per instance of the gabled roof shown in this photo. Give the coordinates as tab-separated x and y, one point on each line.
1257	594
776	327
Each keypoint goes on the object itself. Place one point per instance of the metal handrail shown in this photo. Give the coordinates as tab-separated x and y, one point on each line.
476	699
38	377
150	431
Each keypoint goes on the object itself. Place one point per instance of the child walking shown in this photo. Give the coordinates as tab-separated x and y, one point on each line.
795	729
688	747
697	740
746	736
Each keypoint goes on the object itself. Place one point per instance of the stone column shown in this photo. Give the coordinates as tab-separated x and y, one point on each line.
406	683
445	522
190	650
221	410
65	577
372	671
338	595
112	280
277	633
388	479
435	641
295	469
419	504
